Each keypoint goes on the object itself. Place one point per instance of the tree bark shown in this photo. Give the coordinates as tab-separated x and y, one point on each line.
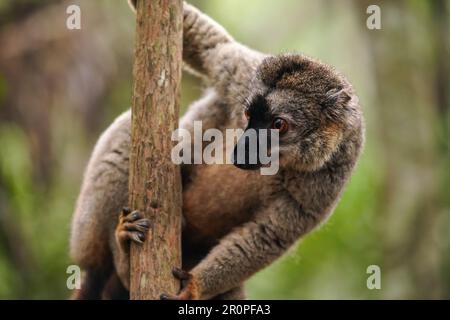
155	182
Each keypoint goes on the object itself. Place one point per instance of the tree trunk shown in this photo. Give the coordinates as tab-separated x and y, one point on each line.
155	182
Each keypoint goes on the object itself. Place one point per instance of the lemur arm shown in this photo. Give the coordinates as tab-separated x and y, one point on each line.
203	39
209	51
212	53
248	249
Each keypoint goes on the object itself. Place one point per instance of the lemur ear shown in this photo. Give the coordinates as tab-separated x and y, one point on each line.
334	100
336	97
132	4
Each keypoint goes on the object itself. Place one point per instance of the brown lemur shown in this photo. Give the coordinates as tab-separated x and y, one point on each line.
236	221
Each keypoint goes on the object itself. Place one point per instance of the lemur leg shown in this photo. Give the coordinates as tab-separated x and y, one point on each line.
92	284
103	193
114	289
132	226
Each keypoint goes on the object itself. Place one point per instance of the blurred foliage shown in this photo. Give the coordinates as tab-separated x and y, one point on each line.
59	89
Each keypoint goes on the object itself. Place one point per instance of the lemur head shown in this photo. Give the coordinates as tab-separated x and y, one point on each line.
311	105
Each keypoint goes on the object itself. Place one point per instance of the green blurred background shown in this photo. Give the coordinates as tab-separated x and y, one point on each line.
59	89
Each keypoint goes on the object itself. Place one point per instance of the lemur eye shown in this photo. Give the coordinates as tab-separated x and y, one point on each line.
280	124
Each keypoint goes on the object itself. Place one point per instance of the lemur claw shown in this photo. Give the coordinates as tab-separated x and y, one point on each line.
189	288
132	227
166	296
180	274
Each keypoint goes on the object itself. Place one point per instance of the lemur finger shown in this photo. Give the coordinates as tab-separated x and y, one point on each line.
126	211
166	296
180	274
144	223
133	216
136	236
141	225
183	295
